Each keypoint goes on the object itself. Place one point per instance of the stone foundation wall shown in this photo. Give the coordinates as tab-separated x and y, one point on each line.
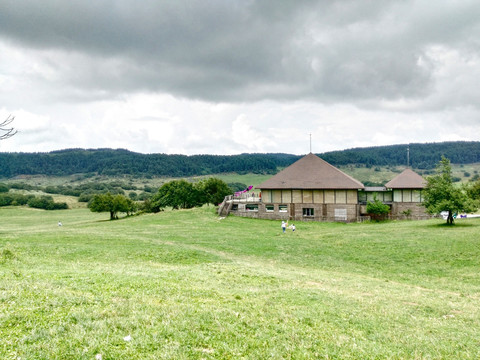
321	212
318	212
262	213
328	212
417	210
343	212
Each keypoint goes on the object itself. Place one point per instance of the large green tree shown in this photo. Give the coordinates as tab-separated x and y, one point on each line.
177	194
441	194
473	190
213	190
112	204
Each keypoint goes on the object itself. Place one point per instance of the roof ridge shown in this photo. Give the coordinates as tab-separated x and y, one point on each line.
311	172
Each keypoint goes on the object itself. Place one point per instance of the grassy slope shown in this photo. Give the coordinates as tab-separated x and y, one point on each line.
186	285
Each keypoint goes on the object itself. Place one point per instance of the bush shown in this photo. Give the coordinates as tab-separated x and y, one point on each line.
20	199
21	186
143	196
6	199
85	197
46	203
377	209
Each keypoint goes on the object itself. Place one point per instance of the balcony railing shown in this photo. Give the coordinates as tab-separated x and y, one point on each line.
243	198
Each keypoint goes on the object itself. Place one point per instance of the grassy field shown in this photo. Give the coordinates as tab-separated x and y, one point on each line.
187	285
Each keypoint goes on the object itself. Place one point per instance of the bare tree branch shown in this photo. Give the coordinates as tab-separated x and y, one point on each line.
7	132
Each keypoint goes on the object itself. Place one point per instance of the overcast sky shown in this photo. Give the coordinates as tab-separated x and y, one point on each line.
235	76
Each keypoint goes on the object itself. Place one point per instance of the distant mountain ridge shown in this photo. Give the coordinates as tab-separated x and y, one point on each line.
125	162
422	156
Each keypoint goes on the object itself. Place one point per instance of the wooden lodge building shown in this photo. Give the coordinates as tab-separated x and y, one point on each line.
313	190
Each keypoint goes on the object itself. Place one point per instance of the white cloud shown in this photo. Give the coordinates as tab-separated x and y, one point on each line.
165	77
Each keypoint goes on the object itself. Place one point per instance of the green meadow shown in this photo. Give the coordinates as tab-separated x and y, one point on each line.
188	285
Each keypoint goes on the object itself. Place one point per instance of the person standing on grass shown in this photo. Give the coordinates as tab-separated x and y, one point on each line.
293	227
284	226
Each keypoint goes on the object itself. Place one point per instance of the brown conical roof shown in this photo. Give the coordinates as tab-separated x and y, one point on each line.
408	179
311	172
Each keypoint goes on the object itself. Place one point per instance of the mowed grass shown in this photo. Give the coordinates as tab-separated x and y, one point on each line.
187	285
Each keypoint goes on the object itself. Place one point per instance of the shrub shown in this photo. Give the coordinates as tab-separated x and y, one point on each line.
46	203
377	209
6	199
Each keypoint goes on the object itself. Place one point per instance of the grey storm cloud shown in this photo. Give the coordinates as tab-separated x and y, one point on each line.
244	50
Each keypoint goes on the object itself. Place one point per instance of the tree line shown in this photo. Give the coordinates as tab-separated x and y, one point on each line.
175	194
85	192
44	202
123	162
110	197
419	156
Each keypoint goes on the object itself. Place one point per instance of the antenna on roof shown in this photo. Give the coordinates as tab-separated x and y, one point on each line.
408	156
310	143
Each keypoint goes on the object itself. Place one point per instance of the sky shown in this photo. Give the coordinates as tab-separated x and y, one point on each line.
238	76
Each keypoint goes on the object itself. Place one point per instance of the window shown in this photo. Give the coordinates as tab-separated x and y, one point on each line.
340	196
282	208
251	207
235	207
362	196
397	195
287	196
340	214
267	196
307	196
416	196
269	208
308	212
407	195
388	196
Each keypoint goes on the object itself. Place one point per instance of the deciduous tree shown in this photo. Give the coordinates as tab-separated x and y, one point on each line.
178	194
473	191
440	193
112	204
213	190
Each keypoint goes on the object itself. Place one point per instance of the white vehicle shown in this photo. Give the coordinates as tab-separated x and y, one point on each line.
444	215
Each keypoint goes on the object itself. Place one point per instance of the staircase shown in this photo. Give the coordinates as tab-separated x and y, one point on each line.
225	207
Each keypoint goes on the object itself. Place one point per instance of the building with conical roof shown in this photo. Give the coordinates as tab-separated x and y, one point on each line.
311	172
407	194
311	189
407	179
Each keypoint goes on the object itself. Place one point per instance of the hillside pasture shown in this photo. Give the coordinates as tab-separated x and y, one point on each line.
188	285
374	174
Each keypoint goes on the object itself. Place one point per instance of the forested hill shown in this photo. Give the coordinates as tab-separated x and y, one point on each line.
422	156
121	162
